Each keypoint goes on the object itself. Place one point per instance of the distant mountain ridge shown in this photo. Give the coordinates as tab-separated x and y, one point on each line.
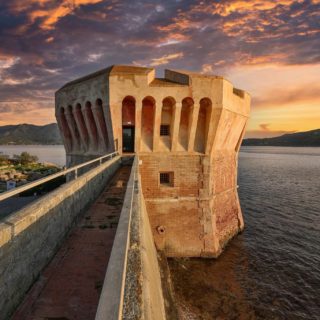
30	134
49	134
298	139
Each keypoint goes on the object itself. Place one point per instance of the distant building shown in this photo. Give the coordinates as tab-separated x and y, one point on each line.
186	129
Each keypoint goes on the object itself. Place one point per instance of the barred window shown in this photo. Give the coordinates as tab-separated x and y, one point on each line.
165	130
166	179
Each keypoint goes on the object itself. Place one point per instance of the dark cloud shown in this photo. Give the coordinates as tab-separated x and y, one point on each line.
45	43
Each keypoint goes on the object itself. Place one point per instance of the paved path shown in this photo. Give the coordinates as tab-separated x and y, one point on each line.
69	287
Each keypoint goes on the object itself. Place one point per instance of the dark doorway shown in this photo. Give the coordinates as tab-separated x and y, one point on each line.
128	139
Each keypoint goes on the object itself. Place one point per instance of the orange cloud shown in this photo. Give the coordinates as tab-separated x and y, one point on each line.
247	59
162	60
50	16
165	59
228	7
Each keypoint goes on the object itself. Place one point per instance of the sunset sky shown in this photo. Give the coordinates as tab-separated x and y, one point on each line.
269	48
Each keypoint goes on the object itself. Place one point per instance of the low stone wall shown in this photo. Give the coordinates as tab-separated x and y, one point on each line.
143	296
132	288
30	237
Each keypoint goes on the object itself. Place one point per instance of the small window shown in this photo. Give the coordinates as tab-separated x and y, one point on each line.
165	130
166	179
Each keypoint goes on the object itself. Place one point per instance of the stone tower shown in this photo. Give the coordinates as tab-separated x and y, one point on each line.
186	130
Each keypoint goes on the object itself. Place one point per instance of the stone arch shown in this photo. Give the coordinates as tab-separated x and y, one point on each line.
128	110
185	123
65	129
91	126
147	123
128	115
203	124
166	127
101	124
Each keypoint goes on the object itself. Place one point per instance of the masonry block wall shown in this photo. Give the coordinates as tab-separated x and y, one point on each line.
30	237
186	129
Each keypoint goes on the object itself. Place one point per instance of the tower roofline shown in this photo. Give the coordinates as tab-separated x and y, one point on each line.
112	70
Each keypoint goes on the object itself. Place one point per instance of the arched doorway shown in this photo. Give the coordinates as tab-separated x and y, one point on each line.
166	127
128	124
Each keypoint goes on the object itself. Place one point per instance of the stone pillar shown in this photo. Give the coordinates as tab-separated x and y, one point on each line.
73	129
193	127
156	126
84	135
137	129
108	121
101	127
92	129
66	136
211	132
176	126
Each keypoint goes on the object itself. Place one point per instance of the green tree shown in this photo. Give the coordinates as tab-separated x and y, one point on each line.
25	158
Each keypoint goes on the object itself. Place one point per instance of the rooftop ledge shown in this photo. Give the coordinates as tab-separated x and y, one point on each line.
172	77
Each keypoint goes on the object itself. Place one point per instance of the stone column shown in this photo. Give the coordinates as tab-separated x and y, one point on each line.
107	116
156	126
137	129
101	127
73	129
84	136
66	137
176	125
210	133
193	127
92	129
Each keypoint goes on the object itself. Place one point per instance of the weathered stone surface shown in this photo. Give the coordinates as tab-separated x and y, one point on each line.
187	125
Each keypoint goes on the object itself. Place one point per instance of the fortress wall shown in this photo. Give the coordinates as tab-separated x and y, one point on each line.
189	126
83	116
174	211
30	237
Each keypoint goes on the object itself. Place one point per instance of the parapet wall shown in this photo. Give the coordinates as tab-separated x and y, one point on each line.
132	288
30	237
143	293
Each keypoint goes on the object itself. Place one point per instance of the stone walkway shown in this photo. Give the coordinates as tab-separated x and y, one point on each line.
69	287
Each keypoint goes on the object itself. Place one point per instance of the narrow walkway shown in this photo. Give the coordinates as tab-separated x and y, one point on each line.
69	287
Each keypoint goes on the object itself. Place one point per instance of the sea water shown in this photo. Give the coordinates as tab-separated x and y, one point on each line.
272	269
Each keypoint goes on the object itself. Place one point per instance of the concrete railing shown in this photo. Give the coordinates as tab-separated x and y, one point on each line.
111	298
74	170
30	237
132	287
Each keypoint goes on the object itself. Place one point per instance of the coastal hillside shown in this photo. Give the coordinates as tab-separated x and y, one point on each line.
30	134
299	139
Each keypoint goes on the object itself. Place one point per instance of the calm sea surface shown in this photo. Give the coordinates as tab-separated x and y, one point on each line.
53	154
271	270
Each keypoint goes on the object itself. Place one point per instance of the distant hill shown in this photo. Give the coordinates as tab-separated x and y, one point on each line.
30	134
299	139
